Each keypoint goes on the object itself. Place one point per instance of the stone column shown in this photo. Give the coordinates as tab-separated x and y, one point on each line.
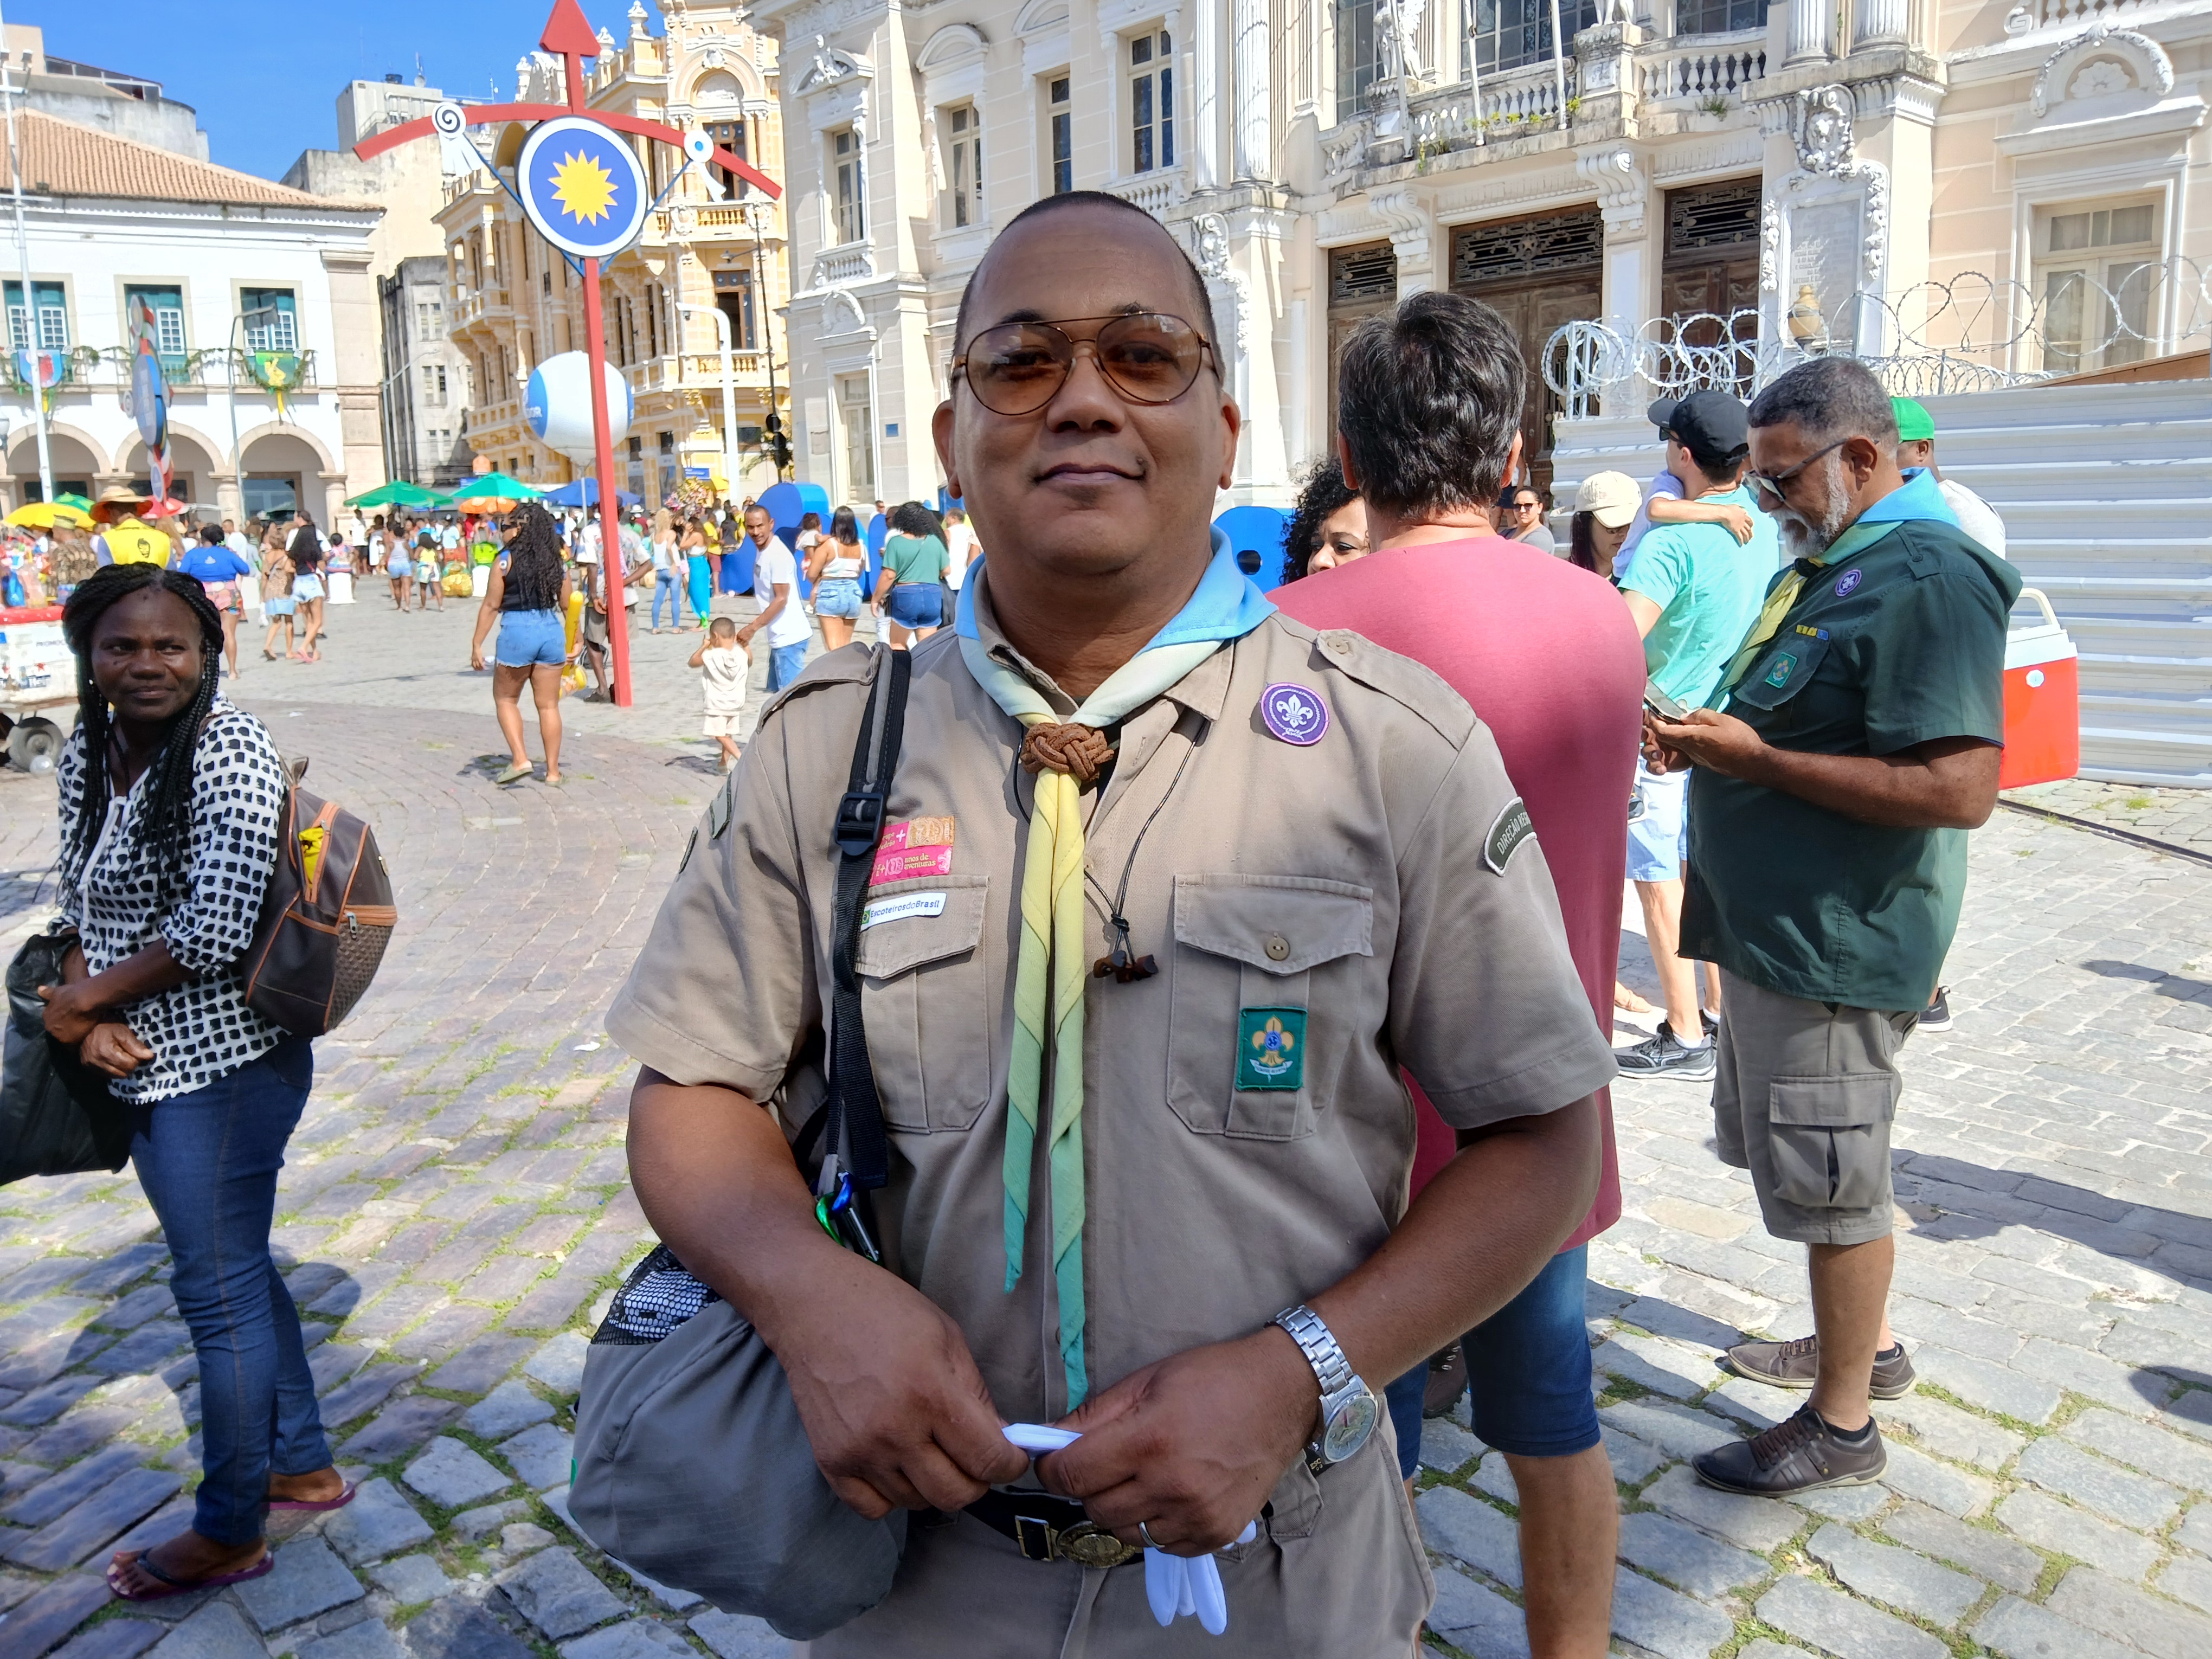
1876	21
1254	149
1810	22
1206	80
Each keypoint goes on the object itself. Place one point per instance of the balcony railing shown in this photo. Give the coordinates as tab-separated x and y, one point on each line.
848	262
1703	68
2087	11
715	219
1512	104
215	368
1157	192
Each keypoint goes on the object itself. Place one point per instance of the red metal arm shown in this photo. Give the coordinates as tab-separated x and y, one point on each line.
492	114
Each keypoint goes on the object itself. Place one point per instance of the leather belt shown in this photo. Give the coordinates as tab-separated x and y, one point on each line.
1045	1528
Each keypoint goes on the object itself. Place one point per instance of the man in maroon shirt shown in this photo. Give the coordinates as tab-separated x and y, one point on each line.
1545	653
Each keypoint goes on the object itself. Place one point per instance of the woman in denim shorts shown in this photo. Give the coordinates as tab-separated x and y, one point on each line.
528	595
835	568
916	565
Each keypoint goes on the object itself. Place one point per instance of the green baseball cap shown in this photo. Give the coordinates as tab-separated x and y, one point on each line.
1914	423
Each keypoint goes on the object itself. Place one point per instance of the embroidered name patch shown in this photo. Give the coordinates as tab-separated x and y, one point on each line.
1846	582
1512	828
1294	712
1271	1049
917	847
900	907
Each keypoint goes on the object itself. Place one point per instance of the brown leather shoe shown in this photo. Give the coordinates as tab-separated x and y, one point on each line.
1447	1382
1796	1364
1799	1454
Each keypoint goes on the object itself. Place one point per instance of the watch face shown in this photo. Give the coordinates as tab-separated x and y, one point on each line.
1349	1425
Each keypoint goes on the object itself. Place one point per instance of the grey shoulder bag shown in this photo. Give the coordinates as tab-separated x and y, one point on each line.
692	1465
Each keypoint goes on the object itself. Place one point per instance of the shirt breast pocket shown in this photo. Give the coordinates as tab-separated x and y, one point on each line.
1250	1049
1791	661
927	1002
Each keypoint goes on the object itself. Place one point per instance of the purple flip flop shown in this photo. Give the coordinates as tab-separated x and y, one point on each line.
344	1498
178	1587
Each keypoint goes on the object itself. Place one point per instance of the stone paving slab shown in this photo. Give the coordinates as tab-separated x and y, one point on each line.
454	1208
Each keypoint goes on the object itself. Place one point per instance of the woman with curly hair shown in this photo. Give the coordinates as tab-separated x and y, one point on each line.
1330	527
172	802
528	597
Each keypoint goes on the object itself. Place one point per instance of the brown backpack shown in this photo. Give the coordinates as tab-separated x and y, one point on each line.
325	919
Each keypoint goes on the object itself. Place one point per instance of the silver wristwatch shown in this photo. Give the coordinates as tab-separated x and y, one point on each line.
1348	1409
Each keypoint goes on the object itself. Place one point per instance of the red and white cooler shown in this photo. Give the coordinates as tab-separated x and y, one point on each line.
2042	701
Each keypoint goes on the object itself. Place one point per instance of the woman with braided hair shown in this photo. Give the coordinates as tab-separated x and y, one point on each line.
172	802
528	597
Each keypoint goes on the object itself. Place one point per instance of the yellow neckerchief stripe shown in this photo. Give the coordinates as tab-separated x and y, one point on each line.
1050	974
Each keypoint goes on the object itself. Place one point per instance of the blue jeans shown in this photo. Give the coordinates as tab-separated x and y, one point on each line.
664	586
208	1161
784	662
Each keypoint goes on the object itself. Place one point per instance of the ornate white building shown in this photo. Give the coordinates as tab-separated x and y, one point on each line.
1677	157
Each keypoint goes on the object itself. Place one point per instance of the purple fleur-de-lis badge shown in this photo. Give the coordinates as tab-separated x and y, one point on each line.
1294	713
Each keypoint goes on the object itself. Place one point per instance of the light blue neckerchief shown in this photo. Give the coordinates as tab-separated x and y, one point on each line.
1227	604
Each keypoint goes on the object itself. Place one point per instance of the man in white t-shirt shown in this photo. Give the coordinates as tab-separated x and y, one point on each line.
775	573
960	543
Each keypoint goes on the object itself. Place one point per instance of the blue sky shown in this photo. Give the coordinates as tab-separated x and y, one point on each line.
266	78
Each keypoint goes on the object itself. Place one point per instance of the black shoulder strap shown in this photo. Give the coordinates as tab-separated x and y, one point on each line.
855	1128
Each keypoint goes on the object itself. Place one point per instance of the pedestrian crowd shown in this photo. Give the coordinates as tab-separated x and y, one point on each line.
1129	1046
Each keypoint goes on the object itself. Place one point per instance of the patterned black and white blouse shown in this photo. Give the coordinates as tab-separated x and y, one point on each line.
122	902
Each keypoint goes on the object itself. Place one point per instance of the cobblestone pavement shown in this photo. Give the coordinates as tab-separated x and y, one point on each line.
454	1214
2183	817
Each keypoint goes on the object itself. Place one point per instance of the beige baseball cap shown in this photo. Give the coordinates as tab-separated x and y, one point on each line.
1611	497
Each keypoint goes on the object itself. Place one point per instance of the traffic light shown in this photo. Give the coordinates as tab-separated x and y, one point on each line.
779	450
774	424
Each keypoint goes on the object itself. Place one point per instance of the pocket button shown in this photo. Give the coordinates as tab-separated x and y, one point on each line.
1277	947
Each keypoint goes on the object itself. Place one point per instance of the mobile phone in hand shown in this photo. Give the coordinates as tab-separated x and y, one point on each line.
1662	705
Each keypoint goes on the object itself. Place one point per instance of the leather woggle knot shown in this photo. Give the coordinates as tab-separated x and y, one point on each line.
1081	751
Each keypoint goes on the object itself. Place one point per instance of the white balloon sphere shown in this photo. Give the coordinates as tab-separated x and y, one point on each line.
558	406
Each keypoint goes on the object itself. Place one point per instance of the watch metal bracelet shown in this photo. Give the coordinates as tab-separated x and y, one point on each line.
1318	1343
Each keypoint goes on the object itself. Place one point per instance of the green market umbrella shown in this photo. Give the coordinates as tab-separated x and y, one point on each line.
400	493
492	492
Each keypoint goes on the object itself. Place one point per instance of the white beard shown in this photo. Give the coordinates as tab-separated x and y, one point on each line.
1805	538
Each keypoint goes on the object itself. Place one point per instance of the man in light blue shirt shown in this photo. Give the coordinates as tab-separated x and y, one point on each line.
1693	590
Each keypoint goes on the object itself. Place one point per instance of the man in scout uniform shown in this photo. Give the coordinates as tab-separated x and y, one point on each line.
1828	859
1171	888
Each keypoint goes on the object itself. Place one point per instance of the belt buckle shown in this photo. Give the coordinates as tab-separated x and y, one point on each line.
1088	1545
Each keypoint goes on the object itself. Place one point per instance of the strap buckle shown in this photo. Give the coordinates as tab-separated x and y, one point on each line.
860	823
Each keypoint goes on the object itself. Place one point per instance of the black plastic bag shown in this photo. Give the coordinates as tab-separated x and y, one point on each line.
57	1116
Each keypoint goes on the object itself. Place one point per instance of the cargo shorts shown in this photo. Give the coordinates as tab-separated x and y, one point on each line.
1803	1097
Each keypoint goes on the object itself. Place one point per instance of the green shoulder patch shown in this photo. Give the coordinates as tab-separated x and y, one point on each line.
1511	829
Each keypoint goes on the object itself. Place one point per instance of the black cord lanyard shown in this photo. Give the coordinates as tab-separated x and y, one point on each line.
1122	962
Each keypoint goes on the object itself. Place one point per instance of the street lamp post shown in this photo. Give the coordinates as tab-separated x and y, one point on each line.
729	394
23	262
756	217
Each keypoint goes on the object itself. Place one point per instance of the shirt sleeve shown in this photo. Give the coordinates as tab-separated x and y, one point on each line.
68	778
237	800
724	991
1659	568
1938	665
1472	936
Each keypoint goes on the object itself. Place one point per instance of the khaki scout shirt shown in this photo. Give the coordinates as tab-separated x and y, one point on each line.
1370	880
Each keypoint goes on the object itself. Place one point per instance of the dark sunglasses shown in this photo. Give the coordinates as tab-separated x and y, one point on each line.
1147	357
1773	483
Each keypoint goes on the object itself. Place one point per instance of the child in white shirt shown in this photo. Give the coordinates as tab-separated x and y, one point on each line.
725	663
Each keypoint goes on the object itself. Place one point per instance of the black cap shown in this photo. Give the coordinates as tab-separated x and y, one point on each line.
1712	426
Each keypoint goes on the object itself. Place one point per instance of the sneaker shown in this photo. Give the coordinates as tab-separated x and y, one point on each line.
1447	1382
1796	1362
1664	1056
1936	1015
1801	1453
